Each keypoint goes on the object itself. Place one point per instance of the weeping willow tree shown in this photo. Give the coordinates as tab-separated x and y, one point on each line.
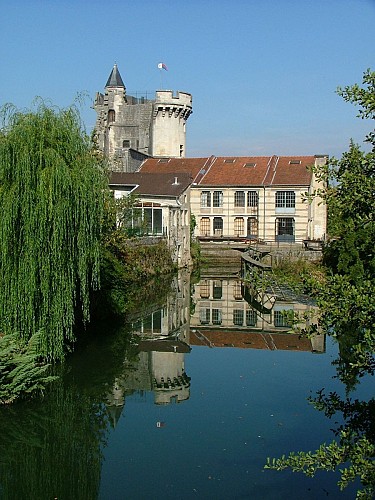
52	191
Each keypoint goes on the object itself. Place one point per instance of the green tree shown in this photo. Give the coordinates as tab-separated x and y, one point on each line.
52	190
347	305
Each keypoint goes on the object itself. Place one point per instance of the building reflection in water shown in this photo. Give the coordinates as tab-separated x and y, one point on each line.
162	340
221	317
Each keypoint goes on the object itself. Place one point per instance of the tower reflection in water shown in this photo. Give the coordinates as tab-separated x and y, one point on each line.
212	313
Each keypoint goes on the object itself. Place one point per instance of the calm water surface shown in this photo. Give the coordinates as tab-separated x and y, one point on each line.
189	406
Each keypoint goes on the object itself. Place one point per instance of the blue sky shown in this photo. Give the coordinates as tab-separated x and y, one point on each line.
263	73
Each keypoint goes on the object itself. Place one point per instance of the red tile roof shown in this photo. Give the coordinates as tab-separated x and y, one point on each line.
289	171
246	339
238	170
233	171
196	167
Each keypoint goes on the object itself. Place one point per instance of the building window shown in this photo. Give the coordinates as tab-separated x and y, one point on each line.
157	221
216	317
239	199
237	290
217	289
252	198
282	319
152	220
285	199
218	226
126	143
204	316
205	199
252	227
251	317
238	226
156	321
181	150
204	289
238	317
217	199
205	226
285	229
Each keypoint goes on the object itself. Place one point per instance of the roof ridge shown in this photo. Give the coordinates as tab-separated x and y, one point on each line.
213	158
268	168
274	170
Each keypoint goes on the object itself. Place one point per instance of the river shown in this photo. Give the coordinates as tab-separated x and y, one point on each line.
185	401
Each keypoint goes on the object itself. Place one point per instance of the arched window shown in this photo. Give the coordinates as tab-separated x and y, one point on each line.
204	227
218	226
252	227
238	226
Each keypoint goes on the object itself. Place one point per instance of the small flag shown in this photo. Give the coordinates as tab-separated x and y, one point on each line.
162	66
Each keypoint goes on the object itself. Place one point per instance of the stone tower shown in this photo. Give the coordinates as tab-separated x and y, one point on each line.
129	128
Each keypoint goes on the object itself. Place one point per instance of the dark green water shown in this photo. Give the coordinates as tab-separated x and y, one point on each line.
114	427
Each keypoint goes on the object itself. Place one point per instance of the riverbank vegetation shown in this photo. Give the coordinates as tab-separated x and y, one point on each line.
52	203
21	370
299	273
347	307
59	240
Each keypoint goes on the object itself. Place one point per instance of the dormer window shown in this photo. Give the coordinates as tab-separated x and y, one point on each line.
294	162
250	165
163	160
229	160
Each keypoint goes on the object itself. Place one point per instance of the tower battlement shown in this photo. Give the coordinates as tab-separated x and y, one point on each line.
168	96
152	127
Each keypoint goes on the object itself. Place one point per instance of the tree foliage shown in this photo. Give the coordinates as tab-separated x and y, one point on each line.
51	200
21	372
347	305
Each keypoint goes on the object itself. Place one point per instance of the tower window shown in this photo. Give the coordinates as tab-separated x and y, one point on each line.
111	116
126	143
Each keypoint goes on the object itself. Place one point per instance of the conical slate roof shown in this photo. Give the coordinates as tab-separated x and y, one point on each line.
115	79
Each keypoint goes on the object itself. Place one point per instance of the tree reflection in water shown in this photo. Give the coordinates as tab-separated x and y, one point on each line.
53	448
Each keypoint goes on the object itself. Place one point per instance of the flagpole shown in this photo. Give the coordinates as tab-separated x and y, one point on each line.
162	66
